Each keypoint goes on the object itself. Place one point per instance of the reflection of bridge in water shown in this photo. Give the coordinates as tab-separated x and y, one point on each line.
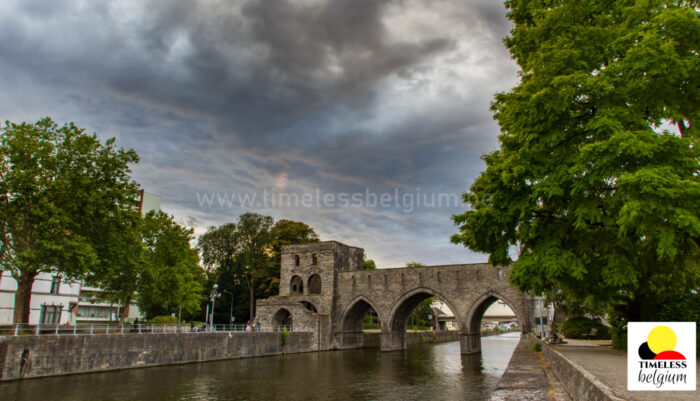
323	285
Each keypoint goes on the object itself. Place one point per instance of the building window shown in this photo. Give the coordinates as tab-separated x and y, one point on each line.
296	260
50	314
314	259
297	285
315	284
55	285
94	312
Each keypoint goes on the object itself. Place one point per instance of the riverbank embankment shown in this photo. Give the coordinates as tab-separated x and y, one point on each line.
24	357
48	355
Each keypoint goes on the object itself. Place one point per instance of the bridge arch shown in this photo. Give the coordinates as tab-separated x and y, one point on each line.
478	307
351	321
309	306
471	333
395	338
282	318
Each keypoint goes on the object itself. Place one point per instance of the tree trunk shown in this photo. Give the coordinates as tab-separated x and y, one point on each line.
252	304
251	292
23	296
125	310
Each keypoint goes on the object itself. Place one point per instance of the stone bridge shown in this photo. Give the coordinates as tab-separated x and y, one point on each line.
323	286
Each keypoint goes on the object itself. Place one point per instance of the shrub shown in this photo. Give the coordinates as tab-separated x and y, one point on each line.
537	347
164	320
285	336
579	326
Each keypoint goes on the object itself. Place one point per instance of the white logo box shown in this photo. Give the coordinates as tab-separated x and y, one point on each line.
661	375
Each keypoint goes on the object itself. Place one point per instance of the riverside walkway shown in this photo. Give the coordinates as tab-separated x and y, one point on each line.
529	378
609	367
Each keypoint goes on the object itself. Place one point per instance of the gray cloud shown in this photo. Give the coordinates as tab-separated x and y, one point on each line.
224	96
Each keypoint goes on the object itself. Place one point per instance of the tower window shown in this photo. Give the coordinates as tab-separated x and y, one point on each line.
314	284
296	286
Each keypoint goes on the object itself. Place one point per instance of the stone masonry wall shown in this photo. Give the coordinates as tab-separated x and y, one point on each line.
580	384
373	339
462	287
58	355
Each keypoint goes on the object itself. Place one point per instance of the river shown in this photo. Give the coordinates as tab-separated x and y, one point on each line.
422	372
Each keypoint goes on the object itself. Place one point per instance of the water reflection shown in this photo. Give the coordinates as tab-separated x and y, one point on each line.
422	372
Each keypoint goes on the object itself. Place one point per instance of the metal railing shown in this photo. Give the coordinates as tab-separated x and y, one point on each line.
127	328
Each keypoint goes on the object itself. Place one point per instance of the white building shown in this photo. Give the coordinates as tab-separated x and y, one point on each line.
51	302
54	300
500	312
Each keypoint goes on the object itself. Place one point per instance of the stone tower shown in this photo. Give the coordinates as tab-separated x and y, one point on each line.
308	282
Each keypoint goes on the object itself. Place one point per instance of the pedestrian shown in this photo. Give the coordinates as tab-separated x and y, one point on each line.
247	326
191	327
257	325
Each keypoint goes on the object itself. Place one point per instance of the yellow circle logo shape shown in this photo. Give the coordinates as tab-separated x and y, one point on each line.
660	339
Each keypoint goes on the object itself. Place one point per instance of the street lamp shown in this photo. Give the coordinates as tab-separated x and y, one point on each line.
213	296
231	294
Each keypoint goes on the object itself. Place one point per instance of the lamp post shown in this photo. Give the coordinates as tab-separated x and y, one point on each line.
539	303
214	294
230	318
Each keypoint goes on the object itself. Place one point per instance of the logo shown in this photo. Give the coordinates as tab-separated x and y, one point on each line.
661	356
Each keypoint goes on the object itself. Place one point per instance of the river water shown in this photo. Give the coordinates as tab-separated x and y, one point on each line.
422	372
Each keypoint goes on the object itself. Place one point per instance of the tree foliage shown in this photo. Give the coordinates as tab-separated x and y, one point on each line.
161	269
414	264
239	251
590	179
173	279
243	257
63	194
369	264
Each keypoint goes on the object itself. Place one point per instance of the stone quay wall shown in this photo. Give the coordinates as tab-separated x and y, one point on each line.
26	357
39	356
581	385
373	339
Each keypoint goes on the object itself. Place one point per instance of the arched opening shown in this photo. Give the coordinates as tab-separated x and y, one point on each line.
315	284
282	318
419	311
296	285
360	319
423	311
309	306
490	315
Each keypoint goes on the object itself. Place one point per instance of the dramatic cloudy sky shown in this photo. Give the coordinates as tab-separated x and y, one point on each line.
333	103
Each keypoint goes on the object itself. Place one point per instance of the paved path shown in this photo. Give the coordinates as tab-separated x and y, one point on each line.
528	378
610	367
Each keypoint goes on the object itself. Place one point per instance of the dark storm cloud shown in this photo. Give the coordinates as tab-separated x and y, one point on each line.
222	96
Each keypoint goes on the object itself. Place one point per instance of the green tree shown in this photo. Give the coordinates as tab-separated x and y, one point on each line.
63	192
173	279
368	264
161	270
239	251
600	197
414	264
